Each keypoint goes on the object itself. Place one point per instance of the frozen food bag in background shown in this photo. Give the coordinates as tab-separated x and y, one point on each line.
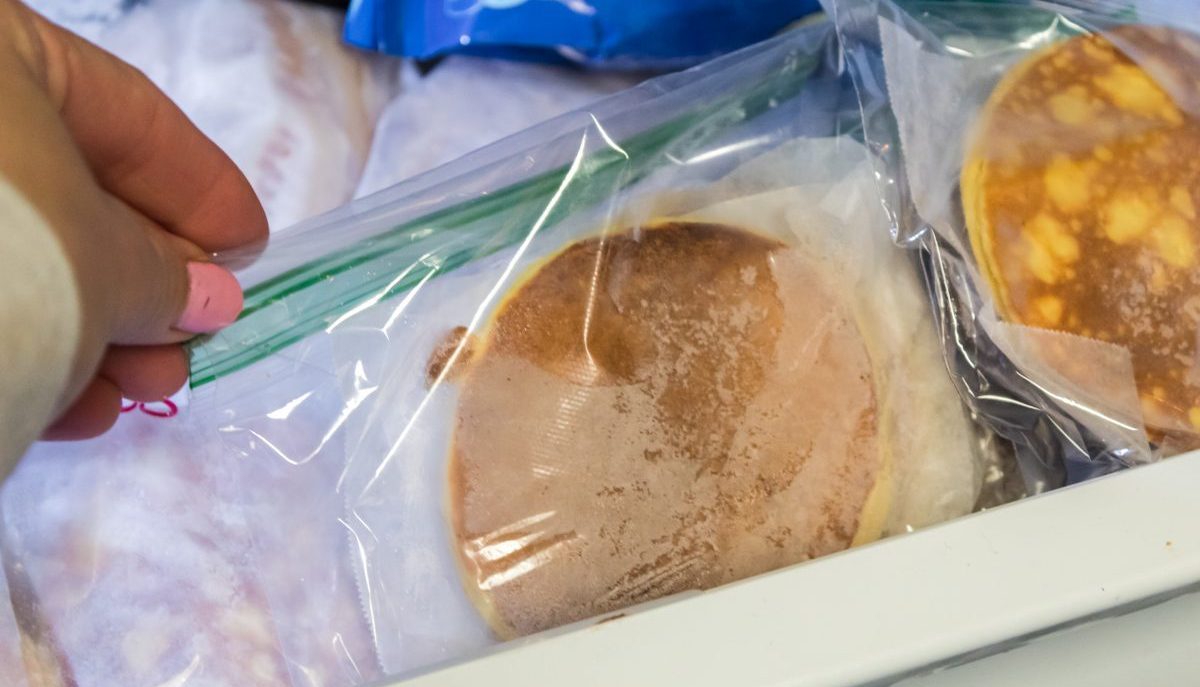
649	347
95	568
478	101
12	662
1040	159
660	34
129	564
270	82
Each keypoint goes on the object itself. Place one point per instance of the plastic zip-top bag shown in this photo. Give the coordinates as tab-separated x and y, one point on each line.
646	348
1037	156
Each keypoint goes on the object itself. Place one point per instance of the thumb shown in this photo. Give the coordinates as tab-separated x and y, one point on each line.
167	289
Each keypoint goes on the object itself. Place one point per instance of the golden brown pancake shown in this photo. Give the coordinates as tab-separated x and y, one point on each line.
1080	190
666	409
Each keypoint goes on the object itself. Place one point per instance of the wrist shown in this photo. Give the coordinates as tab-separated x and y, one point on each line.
40	325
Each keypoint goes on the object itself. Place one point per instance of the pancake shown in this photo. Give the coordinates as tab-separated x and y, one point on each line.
667	409
1080	192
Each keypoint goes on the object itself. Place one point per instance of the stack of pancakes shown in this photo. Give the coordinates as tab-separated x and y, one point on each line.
669	408
1080	191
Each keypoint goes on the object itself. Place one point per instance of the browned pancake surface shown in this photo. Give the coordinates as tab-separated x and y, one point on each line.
1081	190
662	410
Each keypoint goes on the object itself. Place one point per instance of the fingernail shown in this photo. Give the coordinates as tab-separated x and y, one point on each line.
214	299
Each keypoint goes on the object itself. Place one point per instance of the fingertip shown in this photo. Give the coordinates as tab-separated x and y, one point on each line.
214	299
229	216
258	228
248	219
93	413
146	373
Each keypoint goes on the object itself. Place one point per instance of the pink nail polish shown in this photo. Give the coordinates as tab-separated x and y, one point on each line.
214	299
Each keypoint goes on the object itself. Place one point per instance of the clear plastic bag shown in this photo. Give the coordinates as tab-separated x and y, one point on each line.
645	348
478	102
989	123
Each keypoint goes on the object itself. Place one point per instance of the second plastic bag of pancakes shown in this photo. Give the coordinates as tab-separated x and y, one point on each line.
1080	190
676	402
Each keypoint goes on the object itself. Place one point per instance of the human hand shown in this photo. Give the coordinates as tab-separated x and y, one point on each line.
137	198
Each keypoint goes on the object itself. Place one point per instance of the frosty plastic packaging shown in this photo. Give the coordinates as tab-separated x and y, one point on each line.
1012	139
646	348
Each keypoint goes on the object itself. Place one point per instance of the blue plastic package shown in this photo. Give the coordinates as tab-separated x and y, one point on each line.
643	34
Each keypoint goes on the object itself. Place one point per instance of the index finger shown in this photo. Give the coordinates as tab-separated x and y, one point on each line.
142	147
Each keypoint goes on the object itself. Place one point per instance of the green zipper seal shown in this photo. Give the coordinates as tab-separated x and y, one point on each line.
395	260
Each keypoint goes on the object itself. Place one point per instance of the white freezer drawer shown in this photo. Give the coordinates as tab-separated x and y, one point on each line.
965	589
1159	645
